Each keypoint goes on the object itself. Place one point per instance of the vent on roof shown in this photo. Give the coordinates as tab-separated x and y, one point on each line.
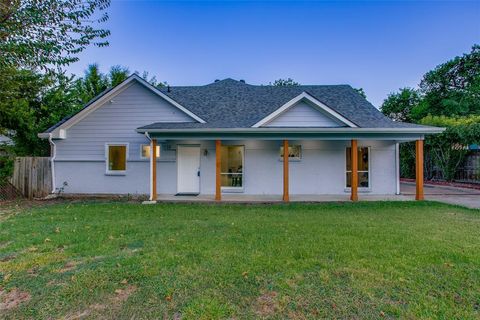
242	81
216	80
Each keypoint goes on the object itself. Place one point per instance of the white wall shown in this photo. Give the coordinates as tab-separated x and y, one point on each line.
321	170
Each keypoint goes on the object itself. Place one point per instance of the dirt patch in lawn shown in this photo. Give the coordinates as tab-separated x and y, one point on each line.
13	298
267	304
113	302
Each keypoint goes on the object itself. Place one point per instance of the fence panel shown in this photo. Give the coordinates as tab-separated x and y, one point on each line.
32	176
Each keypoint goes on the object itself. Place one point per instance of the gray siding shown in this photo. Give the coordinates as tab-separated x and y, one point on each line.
320	171
115	122
304	115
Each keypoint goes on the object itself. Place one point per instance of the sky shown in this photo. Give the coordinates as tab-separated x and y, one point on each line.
379	46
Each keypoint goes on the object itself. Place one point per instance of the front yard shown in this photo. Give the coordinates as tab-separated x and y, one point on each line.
179	261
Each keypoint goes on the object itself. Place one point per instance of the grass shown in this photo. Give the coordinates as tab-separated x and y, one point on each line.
339	260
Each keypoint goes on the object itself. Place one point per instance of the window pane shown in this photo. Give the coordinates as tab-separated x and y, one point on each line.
117	158
362	167
146	151
232	166
294	152
363	179
362	161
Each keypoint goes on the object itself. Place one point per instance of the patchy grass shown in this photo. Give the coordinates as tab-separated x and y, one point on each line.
178	261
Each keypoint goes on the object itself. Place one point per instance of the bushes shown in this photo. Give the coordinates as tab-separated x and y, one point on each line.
447	150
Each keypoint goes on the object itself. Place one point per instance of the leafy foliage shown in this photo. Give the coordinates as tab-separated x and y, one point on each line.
449	148
398	106
49	34
289	82
361	92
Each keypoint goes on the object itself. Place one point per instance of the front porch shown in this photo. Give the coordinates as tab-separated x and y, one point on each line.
316	178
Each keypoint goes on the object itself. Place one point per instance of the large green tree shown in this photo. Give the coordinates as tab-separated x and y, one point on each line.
49	34
452	88
399	105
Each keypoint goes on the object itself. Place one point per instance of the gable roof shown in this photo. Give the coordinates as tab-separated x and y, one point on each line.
109	93
304	96
234	104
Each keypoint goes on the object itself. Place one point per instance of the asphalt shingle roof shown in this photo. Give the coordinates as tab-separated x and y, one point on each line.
234	104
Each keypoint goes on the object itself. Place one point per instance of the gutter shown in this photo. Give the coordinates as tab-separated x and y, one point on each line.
425	130
52	161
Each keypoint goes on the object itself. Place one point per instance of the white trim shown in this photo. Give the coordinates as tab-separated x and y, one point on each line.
60	133
369	188
304	96
116	172
397	168
52	161
151	172
164	96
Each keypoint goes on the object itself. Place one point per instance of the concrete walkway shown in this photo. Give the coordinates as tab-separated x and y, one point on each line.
469	198
459	196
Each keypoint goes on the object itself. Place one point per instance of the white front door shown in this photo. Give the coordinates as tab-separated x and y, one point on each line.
188	169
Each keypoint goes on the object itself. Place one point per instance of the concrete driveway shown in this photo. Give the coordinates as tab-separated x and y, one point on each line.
460	196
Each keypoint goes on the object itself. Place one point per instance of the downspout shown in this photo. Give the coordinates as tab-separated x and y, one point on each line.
397	168
150	165
52	161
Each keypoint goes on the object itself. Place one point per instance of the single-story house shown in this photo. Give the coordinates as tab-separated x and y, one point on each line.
231	137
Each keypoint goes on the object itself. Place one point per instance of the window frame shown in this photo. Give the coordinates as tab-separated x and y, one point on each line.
148	158
369	188
280	157
227	189
116	172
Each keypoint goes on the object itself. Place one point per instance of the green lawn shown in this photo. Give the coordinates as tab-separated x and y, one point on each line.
179	261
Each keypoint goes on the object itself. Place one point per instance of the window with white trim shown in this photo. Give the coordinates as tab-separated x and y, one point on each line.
294	152
145	151
232	167
363	163
116	158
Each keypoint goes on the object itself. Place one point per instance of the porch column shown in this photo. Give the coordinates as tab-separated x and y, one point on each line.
354	165
218	165
419	169
286	196
153	170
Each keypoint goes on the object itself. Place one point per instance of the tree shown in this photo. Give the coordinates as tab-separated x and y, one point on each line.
49	34
117	75
450	147
361	92
399	105
289	82
452	88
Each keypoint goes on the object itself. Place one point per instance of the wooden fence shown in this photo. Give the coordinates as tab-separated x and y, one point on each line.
32	176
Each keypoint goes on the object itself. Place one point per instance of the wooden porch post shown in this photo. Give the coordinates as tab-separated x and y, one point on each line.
218	164
419	169
153	170
354	165
286	196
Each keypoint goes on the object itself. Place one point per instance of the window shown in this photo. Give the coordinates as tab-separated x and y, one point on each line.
363	167
145	151
294	152
232	167
116	158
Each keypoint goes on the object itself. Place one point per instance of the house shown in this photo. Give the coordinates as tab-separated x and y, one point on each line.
231	137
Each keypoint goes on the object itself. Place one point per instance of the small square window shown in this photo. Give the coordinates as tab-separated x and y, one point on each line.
117	158
294	152
145	151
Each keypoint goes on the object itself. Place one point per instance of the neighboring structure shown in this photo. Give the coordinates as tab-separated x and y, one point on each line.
231	137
